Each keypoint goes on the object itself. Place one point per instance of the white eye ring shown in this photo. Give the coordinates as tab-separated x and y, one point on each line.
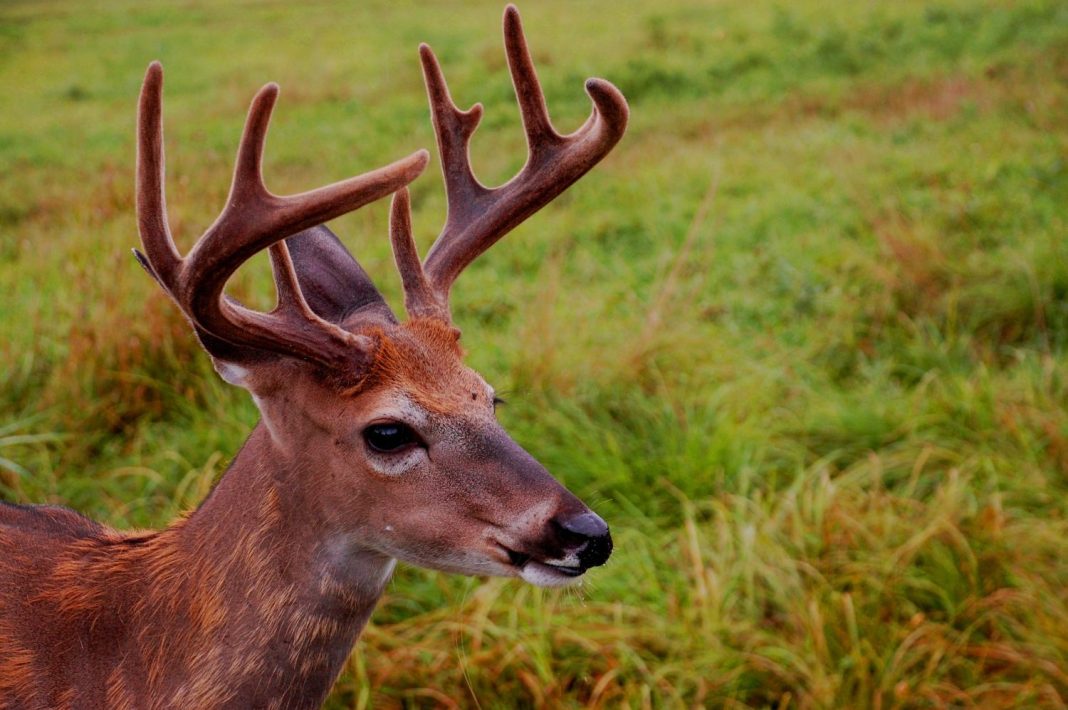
394	465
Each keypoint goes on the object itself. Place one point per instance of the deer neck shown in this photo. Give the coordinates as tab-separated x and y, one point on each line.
279	594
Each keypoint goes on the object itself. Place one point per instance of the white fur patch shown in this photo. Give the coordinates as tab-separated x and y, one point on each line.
571	560
387	571
544	576
232	374
396	464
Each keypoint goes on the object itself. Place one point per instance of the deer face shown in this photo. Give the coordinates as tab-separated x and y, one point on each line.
413	464
410	459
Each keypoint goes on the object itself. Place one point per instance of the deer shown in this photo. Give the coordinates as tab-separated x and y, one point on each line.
376	442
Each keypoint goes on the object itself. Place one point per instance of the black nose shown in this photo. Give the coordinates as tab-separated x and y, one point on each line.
589	533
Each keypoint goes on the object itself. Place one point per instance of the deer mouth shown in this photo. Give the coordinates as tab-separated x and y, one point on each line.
542	573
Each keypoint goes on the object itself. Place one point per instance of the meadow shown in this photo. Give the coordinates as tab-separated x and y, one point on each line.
802	338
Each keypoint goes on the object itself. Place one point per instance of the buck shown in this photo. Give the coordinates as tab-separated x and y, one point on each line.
376	443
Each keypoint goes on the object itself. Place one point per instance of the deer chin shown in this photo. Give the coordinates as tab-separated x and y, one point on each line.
542	574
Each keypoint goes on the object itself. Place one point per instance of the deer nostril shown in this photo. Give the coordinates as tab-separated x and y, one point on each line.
589	533
596	551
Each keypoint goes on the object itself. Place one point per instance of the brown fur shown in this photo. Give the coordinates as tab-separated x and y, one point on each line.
248	602
166	619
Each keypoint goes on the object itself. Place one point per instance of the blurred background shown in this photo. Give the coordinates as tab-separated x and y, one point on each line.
801	338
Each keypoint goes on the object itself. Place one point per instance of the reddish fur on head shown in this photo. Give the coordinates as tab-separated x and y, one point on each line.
417	356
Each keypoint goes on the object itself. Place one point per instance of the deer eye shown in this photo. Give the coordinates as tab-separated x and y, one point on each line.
390	438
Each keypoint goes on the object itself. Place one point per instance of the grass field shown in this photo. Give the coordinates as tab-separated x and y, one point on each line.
802	339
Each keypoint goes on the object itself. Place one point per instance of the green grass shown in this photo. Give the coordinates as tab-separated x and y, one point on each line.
802	339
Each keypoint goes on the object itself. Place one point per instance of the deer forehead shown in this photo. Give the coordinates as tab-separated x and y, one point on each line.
421	363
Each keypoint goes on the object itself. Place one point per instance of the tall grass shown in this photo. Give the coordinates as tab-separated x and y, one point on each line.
801	339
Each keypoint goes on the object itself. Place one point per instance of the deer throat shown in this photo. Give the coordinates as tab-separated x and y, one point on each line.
287	602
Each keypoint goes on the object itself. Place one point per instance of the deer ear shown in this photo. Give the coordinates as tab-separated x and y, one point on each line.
232	362
332	282
221	352
237	364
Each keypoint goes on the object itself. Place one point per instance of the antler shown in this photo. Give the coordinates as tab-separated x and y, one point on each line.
478	216
253	219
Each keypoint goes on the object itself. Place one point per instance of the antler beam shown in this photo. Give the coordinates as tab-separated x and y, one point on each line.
252	220
478	216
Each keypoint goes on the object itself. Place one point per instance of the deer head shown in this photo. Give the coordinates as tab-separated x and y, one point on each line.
394	436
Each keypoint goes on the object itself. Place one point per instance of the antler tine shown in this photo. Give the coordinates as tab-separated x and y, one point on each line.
532	108
477	216
162	260
253	219
287	287
419	298
453	129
